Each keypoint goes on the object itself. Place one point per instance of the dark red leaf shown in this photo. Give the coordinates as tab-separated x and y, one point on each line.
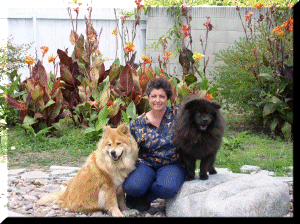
14	103
38	115
39	72
65	59
66	74
126	80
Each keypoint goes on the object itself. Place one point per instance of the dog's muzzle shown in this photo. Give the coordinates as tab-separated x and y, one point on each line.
114	155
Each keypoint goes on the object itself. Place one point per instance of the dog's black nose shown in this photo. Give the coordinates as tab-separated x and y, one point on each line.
113	153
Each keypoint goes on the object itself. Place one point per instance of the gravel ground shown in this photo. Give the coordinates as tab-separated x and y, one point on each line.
23	195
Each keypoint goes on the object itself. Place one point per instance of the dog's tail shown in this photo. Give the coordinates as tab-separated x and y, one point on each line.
50	199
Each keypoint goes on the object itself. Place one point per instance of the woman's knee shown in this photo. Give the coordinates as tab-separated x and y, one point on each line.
169	180
139	181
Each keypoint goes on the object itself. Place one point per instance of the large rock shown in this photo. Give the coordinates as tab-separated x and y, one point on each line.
34	175
231	195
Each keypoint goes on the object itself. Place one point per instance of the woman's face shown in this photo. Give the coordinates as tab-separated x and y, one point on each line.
158	99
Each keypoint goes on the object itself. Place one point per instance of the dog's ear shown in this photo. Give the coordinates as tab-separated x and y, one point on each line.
124	128
215	104
105	129
190	104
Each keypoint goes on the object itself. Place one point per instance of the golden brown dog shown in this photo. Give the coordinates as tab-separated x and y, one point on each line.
98	184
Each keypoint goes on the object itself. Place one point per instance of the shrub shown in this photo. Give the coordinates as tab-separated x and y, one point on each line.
256	73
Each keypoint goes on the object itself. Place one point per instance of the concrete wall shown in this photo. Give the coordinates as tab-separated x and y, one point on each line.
51	27
227	29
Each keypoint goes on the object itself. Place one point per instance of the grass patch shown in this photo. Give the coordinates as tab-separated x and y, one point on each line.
70	147
66	147
269	154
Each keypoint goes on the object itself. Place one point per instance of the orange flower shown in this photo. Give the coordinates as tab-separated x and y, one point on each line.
92	103
168	54
258	5
115	32
278	31
44	49
138	4
209	97
76	9
146	59
247	17
98	52
29	60
51	58
91	38
208	25
288	25
109	103
129	47
184	31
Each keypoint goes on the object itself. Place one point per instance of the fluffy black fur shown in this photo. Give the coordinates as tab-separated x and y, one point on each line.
199	130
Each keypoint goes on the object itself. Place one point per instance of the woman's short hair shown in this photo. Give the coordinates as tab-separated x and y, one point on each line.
160	83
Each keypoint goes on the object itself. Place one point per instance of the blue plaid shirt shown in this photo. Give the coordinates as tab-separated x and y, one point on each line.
157	145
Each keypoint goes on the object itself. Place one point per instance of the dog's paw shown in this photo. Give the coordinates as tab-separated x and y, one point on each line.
204	177
130	213
188	178
212	172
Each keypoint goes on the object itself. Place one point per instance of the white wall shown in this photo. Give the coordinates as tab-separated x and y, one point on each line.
227	29
51	27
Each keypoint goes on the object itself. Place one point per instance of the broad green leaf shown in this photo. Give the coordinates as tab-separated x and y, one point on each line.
286	129
49	103
29	120
204	83
131	110
125	117
189	79
269	108
274	124
267	76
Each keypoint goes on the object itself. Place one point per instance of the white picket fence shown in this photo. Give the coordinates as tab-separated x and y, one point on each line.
52	27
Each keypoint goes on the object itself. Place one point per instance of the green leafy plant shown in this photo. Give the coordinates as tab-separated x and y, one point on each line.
262	63
41	101
11	60
102	120
27	125
232	142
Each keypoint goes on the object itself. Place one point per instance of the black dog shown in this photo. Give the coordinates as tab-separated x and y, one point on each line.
199	128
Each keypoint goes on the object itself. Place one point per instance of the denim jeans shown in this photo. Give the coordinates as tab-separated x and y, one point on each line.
163	182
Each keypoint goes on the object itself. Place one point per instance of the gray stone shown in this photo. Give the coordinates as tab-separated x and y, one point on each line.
249	168
14	214
34	175
231	195
14	172
58	173
53	168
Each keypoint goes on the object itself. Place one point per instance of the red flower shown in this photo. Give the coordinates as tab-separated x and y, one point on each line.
138	4
208	25
184	31
209	97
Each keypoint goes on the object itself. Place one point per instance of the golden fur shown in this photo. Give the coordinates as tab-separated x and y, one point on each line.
98	184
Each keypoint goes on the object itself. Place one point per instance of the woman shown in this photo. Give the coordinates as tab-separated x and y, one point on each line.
158	173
